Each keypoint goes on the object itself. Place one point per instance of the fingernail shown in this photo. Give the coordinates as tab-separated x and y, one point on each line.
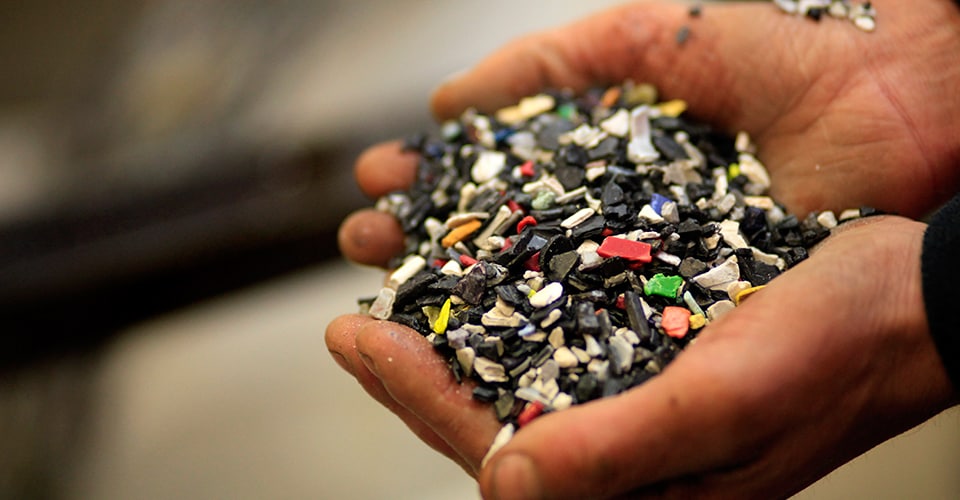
515	476
342	361
368	362
452	76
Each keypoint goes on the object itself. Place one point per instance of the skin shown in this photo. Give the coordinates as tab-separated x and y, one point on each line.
831	359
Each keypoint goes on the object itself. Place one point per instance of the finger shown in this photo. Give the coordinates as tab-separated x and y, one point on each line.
419	379
639	42
385	168
614	445
341	342
370	237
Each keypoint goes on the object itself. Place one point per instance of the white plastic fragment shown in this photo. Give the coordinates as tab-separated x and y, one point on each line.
584	136
838	9
769	258
719	277
466	357
640	148
526	109
849	214
562	401
865	23
580	354
490	371
827	219
495	318
499	441
461	218
579	217
648	213
618	124
489	164
669	258
719	308
726	203
730	232
755	172
552	317
530	393
743	144
734	288
593	347
565	358
600	368
555	339
572	195
765	203
382	307
547	295
788	6
412	265
451	268
670	213
621	353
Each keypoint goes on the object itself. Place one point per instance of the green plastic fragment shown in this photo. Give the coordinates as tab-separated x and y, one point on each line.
567	111
543	200
664	286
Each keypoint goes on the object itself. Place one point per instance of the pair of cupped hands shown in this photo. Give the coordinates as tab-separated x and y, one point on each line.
829	360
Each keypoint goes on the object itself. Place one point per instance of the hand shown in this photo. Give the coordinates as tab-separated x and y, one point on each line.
842	118
829	360
872	110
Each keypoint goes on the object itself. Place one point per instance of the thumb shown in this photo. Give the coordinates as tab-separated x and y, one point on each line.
637	41
659	431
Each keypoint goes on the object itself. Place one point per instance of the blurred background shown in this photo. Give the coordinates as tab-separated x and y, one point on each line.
172	174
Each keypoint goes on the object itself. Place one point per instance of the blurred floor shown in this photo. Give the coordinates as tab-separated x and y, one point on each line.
238	398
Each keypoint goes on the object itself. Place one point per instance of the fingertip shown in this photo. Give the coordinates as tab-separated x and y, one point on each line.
370	237
385	168
513	475
341	332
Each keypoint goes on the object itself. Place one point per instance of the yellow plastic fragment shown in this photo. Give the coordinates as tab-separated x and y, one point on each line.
697	321
643	93
746	293
672	108
440	326
460	233
531	293
733	171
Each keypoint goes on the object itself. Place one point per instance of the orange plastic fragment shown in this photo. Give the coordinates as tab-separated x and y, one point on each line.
610	97
460	232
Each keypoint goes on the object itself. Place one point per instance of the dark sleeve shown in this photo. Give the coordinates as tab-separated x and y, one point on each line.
941	284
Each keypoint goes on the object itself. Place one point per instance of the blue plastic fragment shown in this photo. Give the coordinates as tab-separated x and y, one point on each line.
657	202
503	134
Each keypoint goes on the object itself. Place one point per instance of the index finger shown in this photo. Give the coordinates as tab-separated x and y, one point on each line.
635	41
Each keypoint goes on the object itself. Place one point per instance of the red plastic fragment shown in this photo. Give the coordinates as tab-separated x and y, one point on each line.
621	302
675	321
514	206
533	263
507	243
633	251
466	260
439	262
606	232
526	169
526	221
531	411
